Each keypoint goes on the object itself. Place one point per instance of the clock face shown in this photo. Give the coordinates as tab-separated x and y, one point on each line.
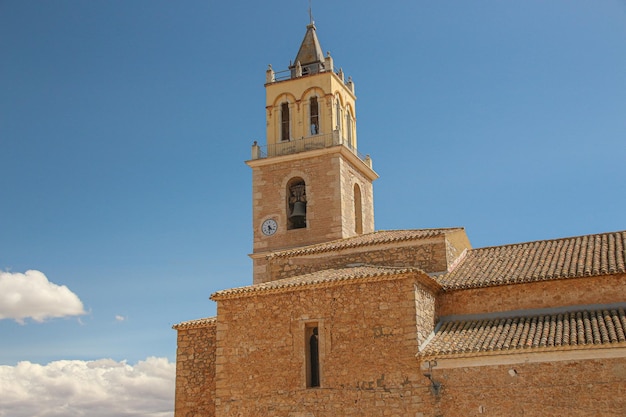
269	227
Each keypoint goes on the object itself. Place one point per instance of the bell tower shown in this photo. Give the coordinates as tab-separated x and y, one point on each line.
309	182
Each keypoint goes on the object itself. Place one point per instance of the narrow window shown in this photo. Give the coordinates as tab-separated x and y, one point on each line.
284	118
296	204
358	212
339	116
349	129
315	120
312	343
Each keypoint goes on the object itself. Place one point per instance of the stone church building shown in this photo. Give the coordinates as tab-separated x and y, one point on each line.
344	320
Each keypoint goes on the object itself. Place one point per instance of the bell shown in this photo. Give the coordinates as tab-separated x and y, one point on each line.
299	210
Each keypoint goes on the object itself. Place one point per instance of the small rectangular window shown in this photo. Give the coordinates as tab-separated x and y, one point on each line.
312	344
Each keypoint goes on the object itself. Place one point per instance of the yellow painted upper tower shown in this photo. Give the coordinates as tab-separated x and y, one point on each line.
310	184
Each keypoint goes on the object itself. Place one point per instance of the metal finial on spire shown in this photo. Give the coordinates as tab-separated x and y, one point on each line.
310	14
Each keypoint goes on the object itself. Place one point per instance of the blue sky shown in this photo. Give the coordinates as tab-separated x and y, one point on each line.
124	127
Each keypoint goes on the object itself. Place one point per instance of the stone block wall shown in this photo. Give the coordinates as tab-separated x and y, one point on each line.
323	173
367	336
604	289
329	175
429	256
578	388
349	177
195	371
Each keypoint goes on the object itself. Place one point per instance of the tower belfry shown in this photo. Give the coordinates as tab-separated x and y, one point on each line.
310	183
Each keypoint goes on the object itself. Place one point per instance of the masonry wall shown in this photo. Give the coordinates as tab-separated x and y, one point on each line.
195	372
429	256
349	177
551	389
323	193
604	289
368	343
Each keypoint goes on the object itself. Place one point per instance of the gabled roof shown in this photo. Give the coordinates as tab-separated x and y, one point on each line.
574	257
561	331
310	50
369	239
325	278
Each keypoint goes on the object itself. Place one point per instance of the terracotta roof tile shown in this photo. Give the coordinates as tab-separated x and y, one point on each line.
573	257
568	330
370	239
191	324
319	279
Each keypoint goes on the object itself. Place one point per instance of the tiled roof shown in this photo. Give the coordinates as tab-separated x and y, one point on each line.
570	330
191	324
573	257
370	239
325	278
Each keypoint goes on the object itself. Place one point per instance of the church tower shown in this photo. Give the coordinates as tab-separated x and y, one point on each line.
310	184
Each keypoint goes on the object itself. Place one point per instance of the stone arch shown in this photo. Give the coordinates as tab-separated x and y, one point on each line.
284	97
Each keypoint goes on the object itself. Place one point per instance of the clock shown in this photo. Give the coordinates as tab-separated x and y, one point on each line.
269	227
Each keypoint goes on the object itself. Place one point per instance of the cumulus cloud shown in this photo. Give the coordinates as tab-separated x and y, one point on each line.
31	295
102	388
120	318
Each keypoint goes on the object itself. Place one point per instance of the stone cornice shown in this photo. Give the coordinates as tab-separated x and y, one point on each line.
338	149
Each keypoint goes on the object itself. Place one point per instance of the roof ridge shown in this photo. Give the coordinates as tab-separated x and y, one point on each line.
362	240
323	278
558	239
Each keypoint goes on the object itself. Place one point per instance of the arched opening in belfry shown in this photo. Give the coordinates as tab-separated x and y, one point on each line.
284	122
350	129
314	117
338	116
296	203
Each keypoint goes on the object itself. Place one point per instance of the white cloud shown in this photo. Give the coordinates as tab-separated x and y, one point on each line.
32	295
102	388
120	318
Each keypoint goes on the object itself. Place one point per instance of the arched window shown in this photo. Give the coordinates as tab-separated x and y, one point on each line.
284	121
349	129
358	211
296	204
314	116
339	116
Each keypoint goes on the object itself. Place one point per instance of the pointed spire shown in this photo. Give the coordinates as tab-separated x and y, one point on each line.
310	54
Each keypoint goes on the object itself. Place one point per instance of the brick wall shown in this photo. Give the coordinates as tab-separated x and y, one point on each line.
195	371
